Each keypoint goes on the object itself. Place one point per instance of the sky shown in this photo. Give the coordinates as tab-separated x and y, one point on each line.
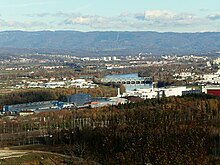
111	15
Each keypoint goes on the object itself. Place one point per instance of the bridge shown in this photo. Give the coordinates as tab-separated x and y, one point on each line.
128	80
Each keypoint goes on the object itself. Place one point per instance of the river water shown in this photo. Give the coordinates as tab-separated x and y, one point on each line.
129	87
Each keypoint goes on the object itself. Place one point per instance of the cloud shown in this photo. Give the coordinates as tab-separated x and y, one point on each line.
28	4
164	17
93	21
96	22
57	14
27	25
186	19
125	14
148	18
158	14
152	20
38	15
139	16
214	17
204	10
82	20
155	15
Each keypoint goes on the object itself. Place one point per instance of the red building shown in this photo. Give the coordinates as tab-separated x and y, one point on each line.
213	91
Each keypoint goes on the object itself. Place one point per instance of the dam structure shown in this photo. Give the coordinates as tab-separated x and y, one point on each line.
127	80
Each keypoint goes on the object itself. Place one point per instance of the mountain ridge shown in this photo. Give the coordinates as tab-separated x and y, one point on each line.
110	42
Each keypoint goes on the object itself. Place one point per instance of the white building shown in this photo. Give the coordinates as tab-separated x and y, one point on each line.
210	77
114	58
55	84
82	83
158	92
185	74
217	61
143	93
174	91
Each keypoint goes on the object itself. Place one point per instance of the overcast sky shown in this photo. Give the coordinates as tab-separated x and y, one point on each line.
106	15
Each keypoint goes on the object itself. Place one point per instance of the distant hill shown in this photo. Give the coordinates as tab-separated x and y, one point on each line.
108	43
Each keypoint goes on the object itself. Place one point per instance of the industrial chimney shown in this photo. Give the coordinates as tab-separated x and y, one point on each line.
119	94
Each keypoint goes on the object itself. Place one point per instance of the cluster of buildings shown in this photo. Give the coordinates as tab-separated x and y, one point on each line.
75	101
77	83
185	57
30	108
213	78
205	78
108	58
84	100
153	92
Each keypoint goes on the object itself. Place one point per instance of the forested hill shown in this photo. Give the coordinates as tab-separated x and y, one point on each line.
108	43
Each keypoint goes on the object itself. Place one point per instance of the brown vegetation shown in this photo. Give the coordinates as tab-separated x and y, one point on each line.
175	130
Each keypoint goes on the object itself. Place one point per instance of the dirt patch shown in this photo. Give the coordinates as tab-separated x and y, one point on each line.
5	154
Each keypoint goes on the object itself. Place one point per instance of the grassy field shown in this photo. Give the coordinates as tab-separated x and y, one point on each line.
38	155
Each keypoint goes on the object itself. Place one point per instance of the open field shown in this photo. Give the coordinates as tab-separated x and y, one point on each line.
31	157
4	154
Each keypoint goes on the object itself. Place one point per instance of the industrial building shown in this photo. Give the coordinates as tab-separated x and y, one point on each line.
35	106
79	99
212	90
161	92
77	83
102	102
86	100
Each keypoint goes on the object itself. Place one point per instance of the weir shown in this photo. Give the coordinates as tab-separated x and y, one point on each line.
128	80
